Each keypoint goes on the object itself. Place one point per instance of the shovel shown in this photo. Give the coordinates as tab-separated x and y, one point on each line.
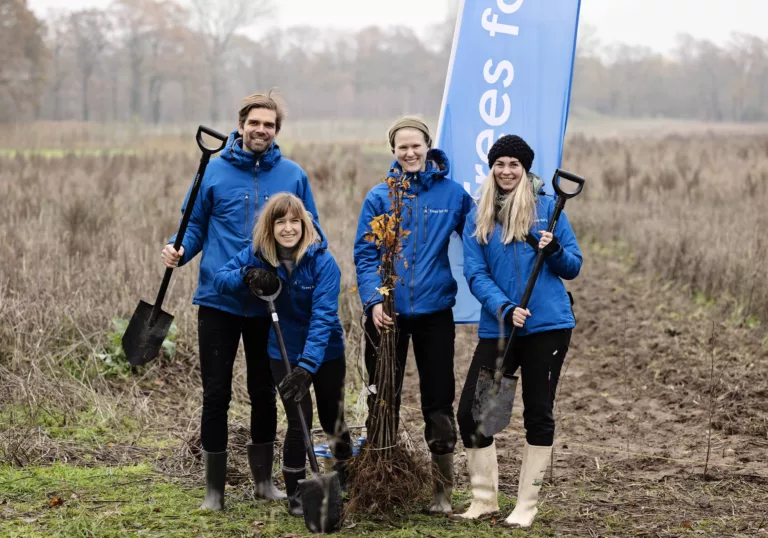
149	324
495	390
320	494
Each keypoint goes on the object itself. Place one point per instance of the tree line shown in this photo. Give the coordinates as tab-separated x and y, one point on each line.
161	61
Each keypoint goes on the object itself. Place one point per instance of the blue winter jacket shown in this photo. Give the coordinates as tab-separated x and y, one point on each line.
439	207
307	306
497	275
234	189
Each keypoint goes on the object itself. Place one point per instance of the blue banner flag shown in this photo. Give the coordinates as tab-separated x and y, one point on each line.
510	72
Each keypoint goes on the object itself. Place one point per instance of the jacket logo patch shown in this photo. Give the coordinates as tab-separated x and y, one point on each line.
307	287
439	210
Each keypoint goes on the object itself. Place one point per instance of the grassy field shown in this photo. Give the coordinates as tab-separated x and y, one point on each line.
670	225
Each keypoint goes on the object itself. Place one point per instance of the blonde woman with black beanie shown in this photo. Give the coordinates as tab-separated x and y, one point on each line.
502	237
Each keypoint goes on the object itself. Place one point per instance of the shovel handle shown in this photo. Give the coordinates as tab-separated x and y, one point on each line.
304	428
204	160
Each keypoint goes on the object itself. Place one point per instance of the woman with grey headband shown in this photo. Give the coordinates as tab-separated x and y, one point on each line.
434	208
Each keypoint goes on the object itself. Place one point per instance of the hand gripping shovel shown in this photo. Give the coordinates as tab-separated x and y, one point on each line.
320	494
495	390
149	324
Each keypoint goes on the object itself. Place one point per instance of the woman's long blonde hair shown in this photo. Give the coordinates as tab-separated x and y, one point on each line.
279	206
517	214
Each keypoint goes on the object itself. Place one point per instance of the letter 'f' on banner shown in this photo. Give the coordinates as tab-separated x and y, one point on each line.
510	73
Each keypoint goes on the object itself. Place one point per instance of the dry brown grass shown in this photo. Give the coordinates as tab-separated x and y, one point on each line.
691	209
80	240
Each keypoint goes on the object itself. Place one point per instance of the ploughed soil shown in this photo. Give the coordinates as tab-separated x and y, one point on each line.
650	439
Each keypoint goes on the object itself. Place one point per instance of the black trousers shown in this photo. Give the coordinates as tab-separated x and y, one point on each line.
219	335
540	356
329	392
433	340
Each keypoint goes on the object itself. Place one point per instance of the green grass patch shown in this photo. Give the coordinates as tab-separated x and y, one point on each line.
67	501
86	427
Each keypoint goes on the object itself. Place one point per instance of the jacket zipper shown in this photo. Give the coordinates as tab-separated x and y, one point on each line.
416	242
426	215
256	184
256	209
517	272
245	223
517	276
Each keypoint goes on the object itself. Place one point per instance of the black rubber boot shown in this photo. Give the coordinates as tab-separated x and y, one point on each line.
260	460
215	479
441	503
292	477
342	469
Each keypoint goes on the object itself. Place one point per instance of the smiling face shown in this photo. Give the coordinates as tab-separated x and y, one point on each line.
411	149
259	130
288	230
507	171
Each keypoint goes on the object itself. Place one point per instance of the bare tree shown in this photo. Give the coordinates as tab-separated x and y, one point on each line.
60	45
22	59
90	29
218	22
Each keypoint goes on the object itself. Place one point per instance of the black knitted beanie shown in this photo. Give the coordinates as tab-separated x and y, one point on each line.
511	146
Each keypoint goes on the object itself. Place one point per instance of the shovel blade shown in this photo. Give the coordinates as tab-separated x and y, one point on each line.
144	336
321	502
492	406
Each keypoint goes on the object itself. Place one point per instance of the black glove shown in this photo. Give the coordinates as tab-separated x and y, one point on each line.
261	282
552	247
296	384
508	318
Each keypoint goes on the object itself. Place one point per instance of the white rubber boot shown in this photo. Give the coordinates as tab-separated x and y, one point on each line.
535	461
484	482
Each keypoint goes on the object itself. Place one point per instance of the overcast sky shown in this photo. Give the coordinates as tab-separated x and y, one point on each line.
653	23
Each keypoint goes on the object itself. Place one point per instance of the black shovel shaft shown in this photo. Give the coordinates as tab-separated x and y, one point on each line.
204	160
284	353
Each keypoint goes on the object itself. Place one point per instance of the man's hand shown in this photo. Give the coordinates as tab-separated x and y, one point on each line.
171	257
261	282
296	384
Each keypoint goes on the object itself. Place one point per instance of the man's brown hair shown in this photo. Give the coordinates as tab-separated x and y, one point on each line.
260	100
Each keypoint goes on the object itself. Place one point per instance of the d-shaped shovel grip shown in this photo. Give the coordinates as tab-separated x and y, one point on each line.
570	176
210	132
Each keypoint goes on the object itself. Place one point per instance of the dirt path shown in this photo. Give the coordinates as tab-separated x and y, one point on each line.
637	384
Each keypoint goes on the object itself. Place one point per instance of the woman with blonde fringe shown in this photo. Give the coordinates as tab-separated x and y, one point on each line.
501	240
287	242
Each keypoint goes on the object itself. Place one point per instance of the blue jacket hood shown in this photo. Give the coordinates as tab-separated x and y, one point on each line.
320	245
438	168
234	153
